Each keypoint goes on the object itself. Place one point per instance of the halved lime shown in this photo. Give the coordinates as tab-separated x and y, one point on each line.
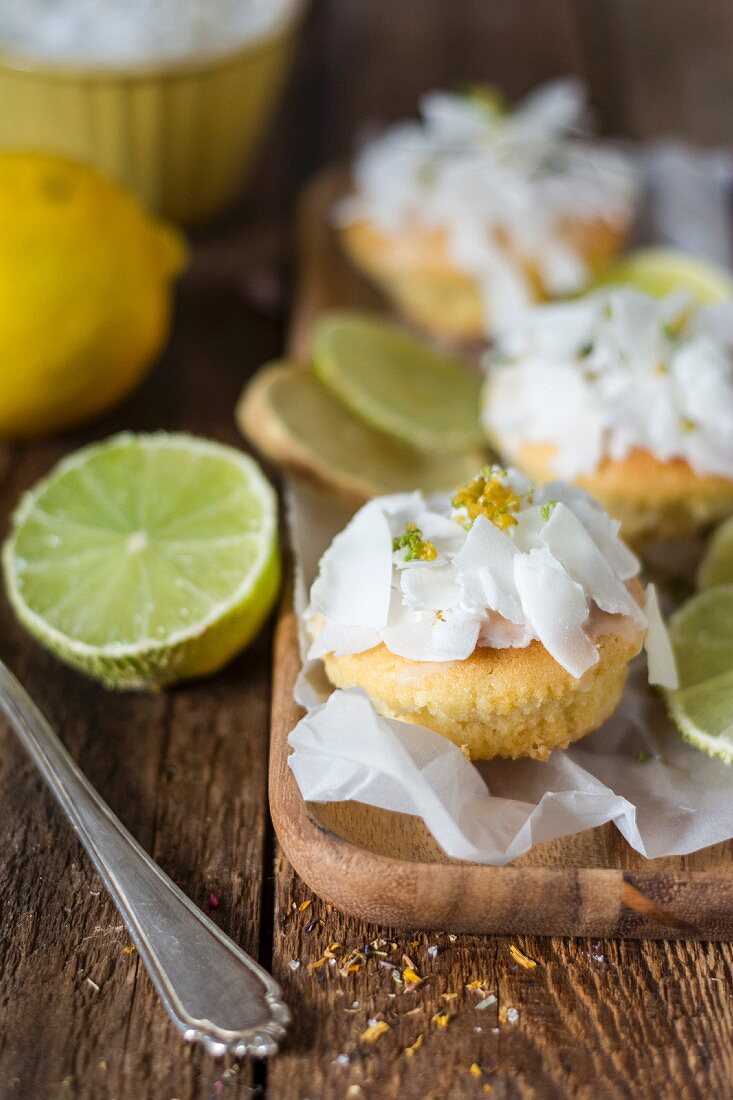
397	383
716	566
659	271
145	559
702	638
296	422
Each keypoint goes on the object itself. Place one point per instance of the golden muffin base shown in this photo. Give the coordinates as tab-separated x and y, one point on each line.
652	499
498	702
414	270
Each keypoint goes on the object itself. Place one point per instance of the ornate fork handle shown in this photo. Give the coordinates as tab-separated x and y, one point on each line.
213	991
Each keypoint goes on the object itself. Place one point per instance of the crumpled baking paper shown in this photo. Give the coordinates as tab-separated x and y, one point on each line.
665	797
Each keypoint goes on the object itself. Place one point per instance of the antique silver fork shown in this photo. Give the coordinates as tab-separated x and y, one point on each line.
214	992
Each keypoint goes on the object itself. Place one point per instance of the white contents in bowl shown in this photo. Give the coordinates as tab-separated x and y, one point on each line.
131	31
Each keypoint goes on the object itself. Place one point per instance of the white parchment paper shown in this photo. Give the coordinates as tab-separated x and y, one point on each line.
665	797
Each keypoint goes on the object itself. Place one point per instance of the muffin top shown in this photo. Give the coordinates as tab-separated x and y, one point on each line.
499	563
615	372
502	184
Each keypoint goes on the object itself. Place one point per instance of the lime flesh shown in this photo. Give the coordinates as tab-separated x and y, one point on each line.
397	383
660	271
702	636
298	423
145	559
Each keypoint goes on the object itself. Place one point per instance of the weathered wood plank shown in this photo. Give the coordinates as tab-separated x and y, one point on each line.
185	770
607	1019
660	68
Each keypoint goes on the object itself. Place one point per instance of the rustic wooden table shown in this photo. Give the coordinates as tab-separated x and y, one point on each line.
186	770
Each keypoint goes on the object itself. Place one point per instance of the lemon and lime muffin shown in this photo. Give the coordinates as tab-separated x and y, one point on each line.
627	396
470	214
502	616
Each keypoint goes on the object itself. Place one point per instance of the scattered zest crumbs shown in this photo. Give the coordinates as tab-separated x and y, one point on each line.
475	1070
409	974
352	962
331	952
304	905
375	1031
522	959
440	1019
129	949
487	495
411	1051
415	546
448	996
478	983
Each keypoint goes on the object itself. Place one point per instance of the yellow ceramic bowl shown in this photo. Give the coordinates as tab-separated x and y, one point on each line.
180	134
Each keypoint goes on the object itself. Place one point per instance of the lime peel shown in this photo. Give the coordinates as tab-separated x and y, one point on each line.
397	383
660	271
701	632
127	538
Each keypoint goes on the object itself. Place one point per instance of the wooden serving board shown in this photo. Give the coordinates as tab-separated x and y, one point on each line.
386	867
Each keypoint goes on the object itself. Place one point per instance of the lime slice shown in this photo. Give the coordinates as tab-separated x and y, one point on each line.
397	383
145	559
296	422
659	271
716	566
702	637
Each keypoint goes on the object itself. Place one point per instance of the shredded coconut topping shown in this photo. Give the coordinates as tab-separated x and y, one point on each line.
615	372
113	32
558	573
504	187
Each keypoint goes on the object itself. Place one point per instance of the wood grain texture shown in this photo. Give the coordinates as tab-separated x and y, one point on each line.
186	771
659	68
597	1019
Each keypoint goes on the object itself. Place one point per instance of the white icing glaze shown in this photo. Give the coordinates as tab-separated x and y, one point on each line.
503	187
560	575
614	372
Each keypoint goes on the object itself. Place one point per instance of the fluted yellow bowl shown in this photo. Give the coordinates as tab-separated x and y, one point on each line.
180	134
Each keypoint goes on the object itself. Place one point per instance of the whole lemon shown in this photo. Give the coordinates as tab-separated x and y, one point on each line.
85	292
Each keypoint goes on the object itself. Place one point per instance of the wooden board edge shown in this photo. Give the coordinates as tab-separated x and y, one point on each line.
476	898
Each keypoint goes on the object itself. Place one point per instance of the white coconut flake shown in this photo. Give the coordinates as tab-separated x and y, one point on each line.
619	371
570	543
501	185
422	636
660	657
486	561
355	576
340	639
557	608
433	587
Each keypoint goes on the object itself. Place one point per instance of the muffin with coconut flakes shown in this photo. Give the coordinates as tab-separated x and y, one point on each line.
503	616
628	396
475	212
